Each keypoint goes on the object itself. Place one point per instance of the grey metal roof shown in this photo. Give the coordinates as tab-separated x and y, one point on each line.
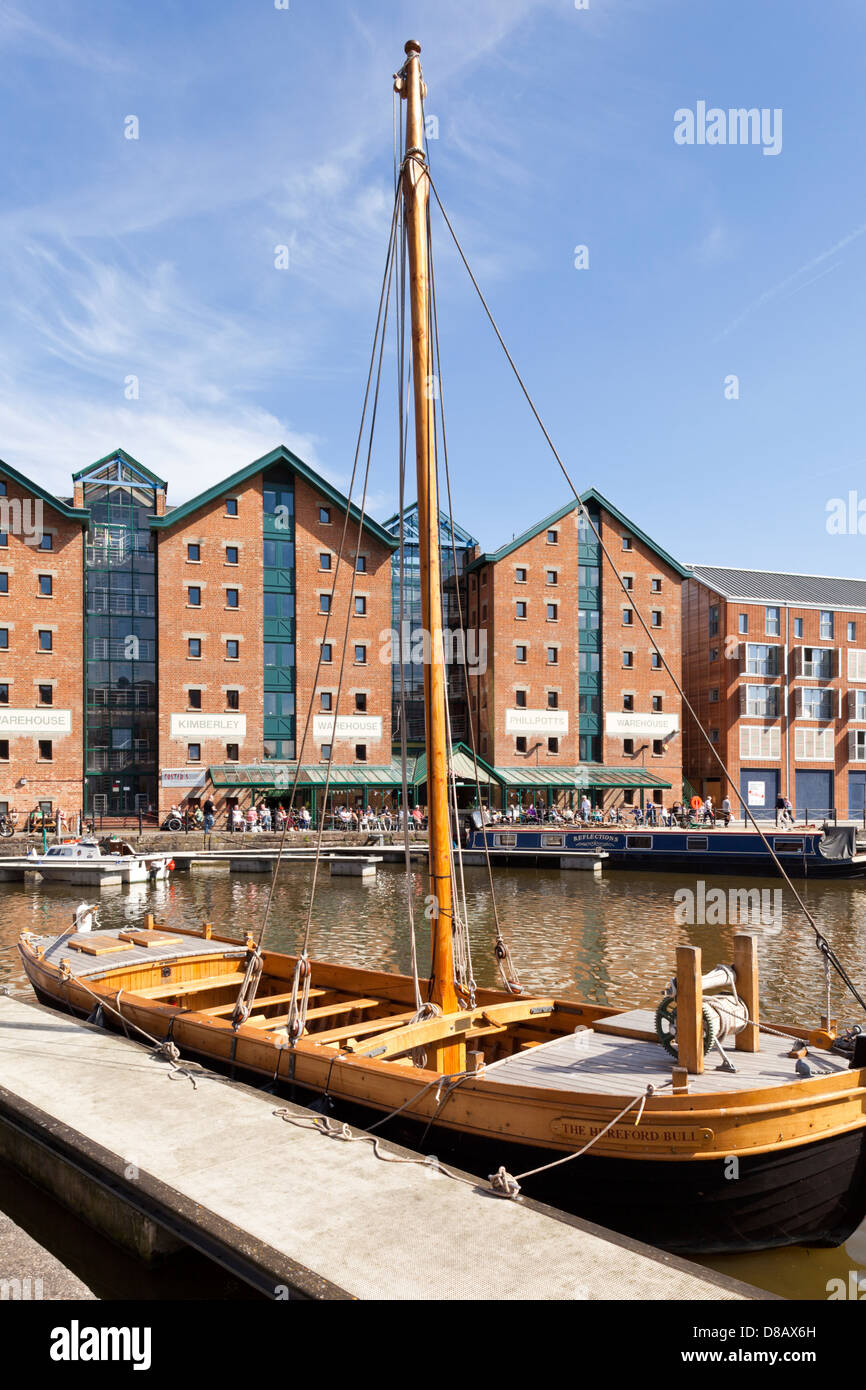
785	590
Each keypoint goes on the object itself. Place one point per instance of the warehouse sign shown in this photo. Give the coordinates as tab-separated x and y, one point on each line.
183	777
349	726
641	725
536	721
208	725
35	721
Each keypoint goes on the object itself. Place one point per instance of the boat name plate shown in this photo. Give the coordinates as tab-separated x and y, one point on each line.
666	1136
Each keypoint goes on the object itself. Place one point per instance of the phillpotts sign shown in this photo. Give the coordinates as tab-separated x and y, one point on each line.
35	721
536	721
208	725
641	725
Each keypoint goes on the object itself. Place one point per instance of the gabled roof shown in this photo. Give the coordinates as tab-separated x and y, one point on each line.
63	508
461	536
590	495
146	474
785	590
279	455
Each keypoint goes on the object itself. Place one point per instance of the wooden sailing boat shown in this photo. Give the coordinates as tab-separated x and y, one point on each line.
625	1132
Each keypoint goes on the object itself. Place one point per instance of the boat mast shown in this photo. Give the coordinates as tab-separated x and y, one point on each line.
416	194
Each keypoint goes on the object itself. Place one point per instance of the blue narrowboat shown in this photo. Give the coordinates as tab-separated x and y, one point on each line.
806	853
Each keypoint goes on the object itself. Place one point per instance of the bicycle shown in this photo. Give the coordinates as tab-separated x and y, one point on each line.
7	825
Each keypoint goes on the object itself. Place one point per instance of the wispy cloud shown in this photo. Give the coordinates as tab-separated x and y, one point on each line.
19	30
798	280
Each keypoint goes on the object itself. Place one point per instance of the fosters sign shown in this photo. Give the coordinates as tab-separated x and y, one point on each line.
208	725
35	721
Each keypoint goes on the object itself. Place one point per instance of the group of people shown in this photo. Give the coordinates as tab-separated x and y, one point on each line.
261	819
360	817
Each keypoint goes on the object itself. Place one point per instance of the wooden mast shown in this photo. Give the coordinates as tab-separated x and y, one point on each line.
416	193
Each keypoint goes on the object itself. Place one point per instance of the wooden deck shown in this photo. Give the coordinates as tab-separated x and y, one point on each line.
58	947
597	1060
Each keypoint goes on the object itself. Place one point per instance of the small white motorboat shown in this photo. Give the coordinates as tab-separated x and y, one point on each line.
91	861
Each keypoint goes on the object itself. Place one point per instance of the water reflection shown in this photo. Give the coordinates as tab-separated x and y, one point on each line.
610	940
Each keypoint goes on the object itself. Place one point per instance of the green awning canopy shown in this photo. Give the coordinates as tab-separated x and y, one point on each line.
579	778
270	777
281	776
464	767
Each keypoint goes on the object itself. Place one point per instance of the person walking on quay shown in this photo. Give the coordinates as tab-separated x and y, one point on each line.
710	812
209	815
780	810
585	808
726	812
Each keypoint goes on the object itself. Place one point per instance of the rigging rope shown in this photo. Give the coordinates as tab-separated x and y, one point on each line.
385	290
822	942
502	954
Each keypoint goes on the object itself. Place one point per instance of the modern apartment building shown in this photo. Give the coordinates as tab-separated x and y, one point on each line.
775	669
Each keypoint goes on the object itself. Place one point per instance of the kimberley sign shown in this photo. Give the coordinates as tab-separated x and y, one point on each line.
207	725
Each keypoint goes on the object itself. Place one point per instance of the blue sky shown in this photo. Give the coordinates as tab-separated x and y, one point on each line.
262	127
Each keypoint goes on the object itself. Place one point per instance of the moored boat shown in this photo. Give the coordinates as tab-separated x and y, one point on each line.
642	1119
87	859
538	1079
806	853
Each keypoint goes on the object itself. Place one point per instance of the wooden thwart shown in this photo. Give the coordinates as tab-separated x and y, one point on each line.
186	987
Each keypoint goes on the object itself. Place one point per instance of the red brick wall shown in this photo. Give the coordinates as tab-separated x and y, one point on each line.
642	680
493	595
703	675
313	538
495	691
213	530
24	667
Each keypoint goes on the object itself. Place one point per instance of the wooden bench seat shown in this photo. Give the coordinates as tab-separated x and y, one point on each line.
325	1011
218	1009
187	987
360	1030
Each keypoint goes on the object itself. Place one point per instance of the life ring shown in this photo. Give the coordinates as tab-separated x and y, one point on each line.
696	803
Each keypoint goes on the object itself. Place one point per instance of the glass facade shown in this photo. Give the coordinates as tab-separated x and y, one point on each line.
454	601
120	640
278	522
589	633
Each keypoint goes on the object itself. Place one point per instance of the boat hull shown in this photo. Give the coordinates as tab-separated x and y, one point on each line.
806	1194
669	851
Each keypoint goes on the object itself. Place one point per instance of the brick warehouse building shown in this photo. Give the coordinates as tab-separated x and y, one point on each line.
571	697
41	645
776	671
158	654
